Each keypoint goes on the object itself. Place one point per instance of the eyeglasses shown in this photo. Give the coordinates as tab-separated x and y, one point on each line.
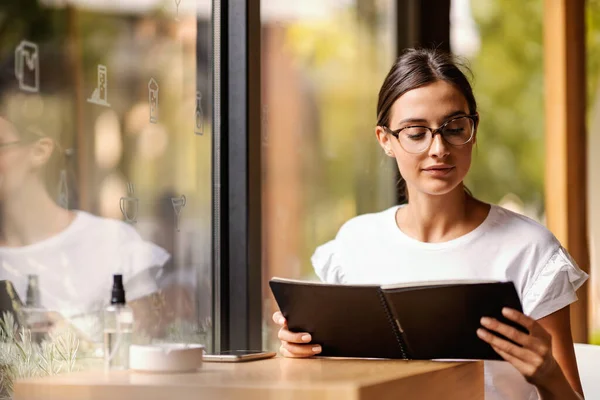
417	139
9	144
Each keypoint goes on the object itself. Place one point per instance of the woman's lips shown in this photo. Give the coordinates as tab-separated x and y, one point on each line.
438	171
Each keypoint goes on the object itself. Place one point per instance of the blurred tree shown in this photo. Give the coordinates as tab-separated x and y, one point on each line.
509	87
592	49
592	75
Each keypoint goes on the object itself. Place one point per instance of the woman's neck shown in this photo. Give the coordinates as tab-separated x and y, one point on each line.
31	216
430	218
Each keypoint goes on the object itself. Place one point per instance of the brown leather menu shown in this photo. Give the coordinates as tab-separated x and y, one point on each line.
421	321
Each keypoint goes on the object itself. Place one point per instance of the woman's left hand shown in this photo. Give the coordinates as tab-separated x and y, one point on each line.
534	360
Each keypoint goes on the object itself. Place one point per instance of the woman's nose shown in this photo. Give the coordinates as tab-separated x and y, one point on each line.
438	147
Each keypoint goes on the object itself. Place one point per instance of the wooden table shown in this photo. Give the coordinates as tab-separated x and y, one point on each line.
277	378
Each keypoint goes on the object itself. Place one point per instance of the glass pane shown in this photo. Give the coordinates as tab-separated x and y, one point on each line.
593	178
322	65
505	56
105	165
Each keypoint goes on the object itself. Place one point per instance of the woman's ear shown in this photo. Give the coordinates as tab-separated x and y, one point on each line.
42	151
384	141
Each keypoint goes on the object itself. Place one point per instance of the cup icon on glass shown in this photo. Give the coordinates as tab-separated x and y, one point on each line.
153	100
129	205
199	124
100	94
178	204
27	66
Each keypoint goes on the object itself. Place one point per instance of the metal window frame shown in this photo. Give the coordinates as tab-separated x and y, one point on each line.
237	161
416	28
237	300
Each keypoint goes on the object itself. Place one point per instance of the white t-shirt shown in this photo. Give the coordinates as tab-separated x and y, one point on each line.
75	268
371	249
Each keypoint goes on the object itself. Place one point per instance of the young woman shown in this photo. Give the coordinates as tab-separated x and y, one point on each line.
427	120
73	253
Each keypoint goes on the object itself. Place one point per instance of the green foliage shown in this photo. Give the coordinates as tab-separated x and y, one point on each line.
20	357
592	46
595	339
509	87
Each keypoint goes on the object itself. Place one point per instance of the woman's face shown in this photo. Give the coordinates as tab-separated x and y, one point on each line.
441	167
16	166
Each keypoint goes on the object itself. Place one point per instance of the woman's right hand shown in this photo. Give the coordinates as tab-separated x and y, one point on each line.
293	344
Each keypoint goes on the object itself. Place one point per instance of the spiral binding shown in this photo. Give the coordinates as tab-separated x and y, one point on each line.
392	323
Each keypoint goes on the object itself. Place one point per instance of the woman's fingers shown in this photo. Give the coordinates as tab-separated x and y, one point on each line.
293	337
504	345
525	340
508	331
534	360
533	367
519	318
520	365
278	318
288	349
294	344
285	334
529	323
538	340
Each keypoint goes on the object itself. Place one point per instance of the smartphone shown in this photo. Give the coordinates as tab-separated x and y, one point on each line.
238	355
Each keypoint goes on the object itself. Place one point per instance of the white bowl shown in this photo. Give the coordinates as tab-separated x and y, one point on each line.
166	357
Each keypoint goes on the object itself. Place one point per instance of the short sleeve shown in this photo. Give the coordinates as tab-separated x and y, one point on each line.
554	286
326	262
139	262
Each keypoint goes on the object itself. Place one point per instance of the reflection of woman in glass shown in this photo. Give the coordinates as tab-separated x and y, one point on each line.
427	122
73	253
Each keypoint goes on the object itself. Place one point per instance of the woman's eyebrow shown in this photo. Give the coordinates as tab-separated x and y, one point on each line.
412	121
424	121
453	114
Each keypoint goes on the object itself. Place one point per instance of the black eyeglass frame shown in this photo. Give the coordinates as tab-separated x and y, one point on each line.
472	117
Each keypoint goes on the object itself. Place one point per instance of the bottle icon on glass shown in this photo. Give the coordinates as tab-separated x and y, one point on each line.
27	66
153	100
199	124
178	204
100	94
129	205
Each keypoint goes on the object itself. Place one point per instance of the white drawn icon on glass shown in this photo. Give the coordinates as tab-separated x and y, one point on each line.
100	94
129	205
63	190
177	3
27	66
153	100
199	128
178	204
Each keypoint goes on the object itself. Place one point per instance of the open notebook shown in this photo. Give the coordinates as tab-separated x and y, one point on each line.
424	320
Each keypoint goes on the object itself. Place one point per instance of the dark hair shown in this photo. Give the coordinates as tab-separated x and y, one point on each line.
32	117
413	69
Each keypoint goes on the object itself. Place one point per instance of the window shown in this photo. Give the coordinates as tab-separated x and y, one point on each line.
105	158
505	56
593	110
322	65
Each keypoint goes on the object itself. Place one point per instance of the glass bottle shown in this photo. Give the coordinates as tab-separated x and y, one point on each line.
34	314
118	328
